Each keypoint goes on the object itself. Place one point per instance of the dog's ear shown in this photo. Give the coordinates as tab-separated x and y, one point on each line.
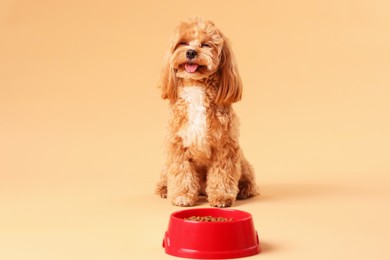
168	81
230	84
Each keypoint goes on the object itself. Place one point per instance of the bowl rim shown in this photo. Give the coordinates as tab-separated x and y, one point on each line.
246	215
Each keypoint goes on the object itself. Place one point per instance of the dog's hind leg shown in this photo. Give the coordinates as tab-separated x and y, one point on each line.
161	188
247	183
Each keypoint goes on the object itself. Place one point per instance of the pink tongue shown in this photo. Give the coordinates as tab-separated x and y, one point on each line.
191	68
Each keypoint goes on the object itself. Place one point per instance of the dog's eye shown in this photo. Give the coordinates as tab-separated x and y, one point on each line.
205	45
183	43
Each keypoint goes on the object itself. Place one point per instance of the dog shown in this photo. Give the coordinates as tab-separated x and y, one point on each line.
201	81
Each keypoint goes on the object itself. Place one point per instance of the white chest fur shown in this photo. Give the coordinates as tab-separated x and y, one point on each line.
194	133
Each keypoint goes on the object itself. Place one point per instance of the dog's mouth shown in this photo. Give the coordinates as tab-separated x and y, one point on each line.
191	67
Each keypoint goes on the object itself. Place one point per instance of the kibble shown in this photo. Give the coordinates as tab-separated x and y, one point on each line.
209	219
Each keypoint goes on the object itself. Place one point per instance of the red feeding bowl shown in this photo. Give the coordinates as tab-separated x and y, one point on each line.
233	238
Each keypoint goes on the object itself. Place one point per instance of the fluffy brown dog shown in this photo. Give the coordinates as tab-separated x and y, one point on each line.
201	80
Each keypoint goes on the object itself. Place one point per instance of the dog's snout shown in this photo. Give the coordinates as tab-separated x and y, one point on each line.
190	54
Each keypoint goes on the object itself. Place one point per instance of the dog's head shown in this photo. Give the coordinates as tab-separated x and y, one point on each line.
199	50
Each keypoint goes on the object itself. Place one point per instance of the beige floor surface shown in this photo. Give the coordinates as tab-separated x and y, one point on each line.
82	126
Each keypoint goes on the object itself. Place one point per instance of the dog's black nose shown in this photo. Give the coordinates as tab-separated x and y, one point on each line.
190	54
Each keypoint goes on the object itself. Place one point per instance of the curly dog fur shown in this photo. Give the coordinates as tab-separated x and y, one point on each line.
201	81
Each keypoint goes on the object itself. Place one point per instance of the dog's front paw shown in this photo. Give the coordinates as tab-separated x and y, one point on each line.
184	200
221	201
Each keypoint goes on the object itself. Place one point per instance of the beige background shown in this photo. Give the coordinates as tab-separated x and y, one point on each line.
82	125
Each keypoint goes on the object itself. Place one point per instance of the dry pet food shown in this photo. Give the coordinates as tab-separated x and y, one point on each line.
209	219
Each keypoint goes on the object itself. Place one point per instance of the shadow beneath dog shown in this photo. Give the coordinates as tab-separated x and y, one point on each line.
295	191
275	192
202	201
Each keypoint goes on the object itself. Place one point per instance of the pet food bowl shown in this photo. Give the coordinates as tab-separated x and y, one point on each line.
233	238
